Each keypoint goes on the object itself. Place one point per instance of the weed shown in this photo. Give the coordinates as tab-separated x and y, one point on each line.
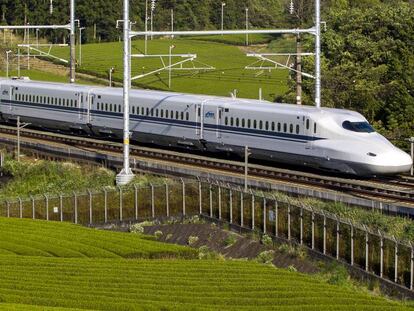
158	234
266	257
230	240
267	240
168	237
192	240
292	268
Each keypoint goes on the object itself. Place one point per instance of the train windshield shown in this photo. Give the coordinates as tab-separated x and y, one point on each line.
360	127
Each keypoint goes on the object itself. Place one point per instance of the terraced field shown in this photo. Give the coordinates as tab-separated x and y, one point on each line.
53	266
229	62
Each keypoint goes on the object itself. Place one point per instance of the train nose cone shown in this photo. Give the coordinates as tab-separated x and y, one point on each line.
394	162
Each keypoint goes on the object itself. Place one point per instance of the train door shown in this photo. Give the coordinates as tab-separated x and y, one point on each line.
90	103
199	113
219	120
309	134
81	99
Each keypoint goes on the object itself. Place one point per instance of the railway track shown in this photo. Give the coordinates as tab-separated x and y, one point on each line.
399	189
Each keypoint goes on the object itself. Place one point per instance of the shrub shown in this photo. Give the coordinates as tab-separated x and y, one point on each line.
292	268
158	234
192	239
168	237
139	227
266	257
267	240
230	240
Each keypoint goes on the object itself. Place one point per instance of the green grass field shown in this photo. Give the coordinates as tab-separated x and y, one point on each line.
54	266
228	60
44	76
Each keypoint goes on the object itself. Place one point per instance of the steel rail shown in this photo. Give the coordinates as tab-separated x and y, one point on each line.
398	189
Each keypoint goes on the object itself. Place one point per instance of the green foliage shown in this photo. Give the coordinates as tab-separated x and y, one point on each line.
292	250
267	240
40	177
192	240
335	274
230	240
266	257
368	64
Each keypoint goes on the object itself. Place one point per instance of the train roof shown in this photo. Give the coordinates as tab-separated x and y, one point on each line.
225	102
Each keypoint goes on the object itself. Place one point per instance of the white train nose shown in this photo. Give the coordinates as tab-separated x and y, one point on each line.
393	162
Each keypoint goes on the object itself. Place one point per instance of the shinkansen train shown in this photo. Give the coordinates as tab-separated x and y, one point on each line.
327	139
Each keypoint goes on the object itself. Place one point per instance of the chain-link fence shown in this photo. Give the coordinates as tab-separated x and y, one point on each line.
319	231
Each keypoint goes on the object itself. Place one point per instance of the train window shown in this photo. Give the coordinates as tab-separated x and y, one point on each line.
147	112
226	120
166	114
106	107
172	114
37	99
72	103
156	112
254	124
249	123
142	111
231	121
237	122
97	106
273	126
182	115
360	127
199	111
187	116
162	113
133	109
267	126
152	112
314	127
291	128
297	129
260	124
279	127
27	98
243	123
284	127
176	115
307	124
220	114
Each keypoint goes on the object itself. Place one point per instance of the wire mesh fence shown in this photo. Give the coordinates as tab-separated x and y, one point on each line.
319	231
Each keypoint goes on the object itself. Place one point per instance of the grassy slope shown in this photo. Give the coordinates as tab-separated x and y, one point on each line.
67	266
228	60
43	76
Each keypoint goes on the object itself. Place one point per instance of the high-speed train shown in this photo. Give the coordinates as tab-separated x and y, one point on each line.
328	139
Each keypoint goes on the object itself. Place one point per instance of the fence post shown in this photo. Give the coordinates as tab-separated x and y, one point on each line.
61	207
200	202
33	207
337	237
136	201
381	254
264	215
253	204
167	199
352	244
219	201
211	201
20	208
324	233
120	203
105	204
396	261
90	206
152	201
231	205
8	209
289	221
301	225
183	185
47	206
76	207
241	209
412	267
313	229
276	218
366	249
